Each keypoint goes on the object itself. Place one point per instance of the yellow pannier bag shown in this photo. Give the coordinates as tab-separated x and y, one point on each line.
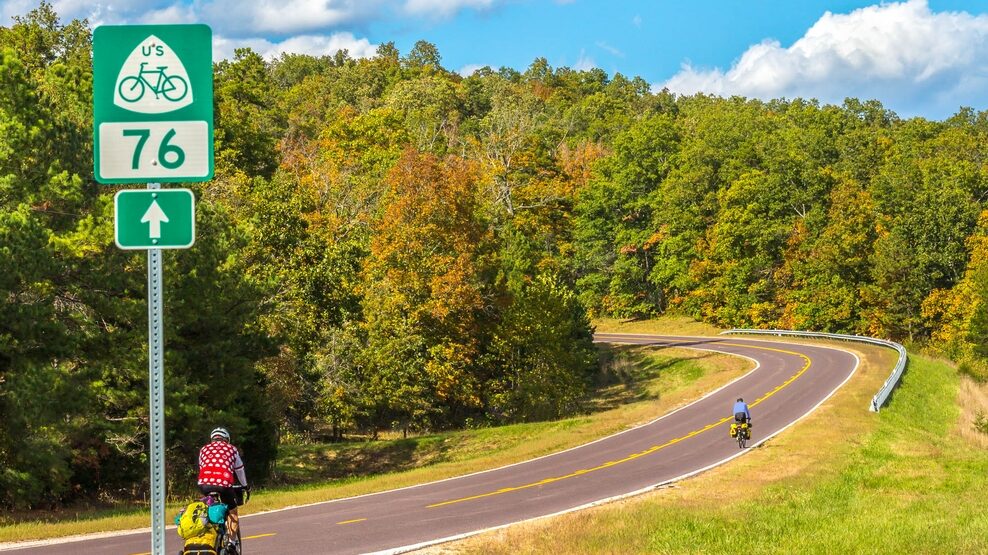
203	544
193	520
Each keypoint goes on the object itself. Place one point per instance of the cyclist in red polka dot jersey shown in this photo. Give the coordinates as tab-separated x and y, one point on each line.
221	468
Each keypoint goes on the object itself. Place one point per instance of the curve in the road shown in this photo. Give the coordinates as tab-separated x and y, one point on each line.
788	382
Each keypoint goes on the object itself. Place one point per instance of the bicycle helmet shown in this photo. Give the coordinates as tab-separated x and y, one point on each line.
220	433
740	400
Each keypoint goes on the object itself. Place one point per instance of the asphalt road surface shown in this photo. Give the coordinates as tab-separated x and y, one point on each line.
789	382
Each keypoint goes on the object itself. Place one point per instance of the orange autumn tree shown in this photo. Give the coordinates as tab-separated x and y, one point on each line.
424	295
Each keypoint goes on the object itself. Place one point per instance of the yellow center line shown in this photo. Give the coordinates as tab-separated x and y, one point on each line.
650	450
352	521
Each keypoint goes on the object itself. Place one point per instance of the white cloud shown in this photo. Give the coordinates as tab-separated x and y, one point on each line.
444	8
10	8
282	17
250	18
910	58
470	69
584	62
315	45
97	12
321	45
614	51
172	14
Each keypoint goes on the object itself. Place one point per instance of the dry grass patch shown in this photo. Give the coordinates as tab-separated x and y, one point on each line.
666	325
972	398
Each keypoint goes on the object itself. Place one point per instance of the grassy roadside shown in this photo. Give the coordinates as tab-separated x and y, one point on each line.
844	480
668	325
644	383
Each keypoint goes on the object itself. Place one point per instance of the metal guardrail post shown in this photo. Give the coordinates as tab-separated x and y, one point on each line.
893	380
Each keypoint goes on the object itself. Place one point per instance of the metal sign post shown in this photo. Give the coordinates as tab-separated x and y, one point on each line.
156	381
153	122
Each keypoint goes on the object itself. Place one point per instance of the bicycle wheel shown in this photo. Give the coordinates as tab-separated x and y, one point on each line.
131	89
238	547
230	546
174	88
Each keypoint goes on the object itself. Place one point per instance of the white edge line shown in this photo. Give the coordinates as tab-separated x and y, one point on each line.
408	548
10	546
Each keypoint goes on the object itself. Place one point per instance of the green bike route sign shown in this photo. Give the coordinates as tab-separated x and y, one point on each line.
154	219
153	103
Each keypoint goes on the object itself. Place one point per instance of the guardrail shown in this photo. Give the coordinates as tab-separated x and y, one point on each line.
893	380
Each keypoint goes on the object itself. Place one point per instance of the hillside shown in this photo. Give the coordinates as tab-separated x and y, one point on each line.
389	247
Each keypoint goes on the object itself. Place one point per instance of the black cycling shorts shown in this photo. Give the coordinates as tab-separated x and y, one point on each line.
233	497
740	417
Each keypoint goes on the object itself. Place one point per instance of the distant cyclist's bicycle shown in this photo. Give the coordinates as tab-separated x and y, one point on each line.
217	540
172	87
744	434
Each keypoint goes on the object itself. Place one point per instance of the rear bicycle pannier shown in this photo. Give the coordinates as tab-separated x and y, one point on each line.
203	544
217	513
193	520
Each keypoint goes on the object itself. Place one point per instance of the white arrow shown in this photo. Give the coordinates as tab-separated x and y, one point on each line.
155	216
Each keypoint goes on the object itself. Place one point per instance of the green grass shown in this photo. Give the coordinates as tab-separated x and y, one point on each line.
901	481
636	385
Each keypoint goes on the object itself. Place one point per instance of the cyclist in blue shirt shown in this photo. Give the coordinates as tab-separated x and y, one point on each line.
741	412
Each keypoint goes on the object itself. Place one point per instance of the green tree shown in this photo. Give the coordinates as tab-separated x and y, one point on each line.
614	228
423	56
42	321
543	349
247	123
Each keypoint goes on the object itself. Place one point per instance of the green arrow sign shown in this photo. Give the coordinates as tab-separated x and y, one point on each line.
153	103
154	219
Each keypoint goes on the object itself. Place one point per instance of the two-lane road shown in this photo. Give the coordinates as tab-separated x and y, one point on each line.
788	382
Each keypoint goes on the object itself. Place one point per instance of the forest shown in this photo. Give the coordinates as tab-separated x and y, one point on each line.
391	246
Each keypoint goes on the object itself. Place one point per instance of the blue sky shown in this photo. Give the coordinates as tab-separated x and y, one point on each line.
919	57
650	38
